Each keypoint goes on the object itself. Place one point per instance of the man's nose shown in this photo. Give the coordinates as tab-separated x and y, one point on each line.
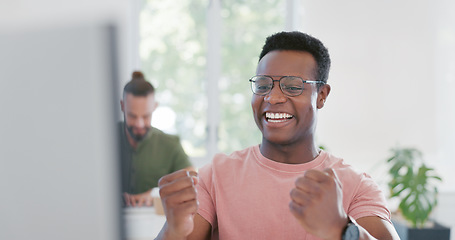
275	95
140	123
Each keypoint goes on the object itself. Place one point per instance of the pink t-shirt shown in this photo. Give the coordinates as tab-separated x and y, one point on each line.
246	196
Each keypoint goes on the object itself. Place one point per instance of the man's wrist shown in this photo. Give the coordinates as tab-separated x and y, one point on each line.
168	234
337	230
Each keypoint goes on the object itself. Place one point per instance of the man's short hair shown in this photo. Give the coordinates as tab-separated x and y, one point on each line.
301	42
138	86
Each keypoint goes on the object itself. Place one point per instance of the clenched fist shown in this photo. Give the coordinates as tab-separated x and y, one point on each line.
317	203
179	197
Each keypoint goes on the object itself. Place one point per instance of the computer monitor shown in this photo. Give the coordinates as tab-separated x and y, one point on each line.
59	175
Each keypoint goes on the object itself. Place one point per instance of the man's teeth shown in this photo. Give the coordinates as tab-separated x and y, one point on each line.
277	116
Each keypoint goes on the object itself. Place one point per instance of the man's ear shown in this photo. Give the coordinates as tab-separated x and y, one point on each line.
122	106
155	106
323	93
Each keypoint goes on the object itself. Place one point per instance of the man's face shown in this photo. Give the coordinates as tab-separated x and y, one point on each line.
283	119
137	111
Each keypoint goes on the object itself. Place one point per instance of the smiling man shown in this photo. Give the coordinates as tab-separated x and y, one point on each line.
284	188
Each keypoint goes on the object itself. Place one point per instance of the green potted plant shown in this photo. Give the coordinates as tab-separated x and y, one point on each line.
413	183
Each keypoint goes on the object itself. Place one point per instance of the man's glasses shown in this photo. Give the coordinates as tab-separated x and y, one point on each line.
289	85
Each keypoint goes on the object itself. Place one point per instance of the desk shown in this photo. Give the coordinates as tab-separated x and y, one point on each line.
142	223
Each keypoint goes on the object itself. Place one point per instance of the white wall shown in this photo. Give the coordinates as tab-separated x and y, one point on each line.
393	82
392	79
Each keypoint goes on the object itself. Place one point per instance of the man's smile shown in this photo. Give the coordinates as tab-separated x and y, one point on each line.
277	117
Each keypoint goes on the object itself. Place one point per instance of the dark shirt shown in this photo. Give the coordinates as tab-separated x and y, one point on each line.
156	155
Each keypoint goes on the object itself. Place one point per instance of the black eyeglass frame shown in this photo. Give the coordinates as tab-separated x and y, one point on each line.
279	81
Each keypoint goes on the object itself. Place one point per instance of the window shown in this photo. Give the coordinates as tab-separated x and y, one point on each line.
200	54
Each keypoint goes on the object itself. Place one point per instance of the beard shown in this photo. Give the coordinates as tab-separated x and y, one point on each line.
137	137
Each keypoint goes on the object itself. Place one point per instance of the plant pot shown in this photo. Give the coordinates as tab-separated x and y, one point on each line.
436	232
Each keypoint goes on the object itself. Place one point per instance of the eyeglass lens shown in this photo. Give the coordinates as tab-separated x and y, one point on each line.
291	86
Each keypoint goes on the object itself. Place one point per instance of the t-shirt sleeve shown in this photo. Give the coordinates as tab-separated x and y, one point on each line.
204	195
368	200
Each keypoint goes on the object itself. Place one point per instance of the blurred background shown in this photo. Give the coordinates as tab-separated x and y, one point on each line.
64	63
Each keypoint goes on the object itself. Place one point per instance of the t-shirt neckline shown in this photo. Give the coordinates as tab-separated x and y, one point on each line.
285	167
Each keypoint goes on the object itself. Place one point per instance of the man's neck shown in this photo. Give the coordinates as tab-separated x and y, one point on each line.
296	153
